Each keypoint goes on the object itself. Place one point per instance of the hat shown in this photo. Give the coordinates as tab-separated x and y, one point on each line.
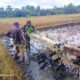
28	22
16	23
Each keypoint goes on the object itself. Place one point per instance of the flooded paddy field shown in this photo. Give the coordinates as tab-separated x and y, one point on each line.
68	34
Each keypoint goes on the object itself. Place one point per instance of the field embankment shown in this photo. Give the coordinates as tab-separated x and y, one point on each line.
8	68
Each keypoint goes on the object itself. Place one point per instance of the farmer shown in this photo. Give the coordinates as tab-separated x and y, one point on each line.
28	29
16	34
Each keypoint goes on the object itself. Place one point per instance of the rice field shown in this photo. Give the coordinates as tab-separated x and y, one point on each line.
40	22
7	65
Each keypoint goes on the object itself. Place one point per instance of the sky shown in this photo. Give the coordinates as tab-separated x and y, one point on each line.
41	3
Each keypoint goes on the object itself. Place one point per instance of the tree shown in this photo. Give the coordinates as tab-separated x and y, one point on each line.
78	9
9	11
70	9
2	12
38	10
17	12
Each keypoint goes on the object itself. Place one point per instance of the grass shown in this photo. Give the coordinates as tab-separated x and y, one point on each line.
8	66
40	22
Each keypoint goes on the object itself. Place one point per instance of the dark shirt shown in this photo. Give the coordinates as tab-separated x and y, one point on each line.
8	34
16	34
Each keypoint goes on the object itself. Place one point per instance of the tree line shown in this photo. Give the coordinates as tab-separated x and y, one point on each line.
37	11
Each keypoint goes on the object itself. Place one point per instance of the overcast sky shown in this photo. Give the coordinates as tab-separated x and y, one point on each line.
42	3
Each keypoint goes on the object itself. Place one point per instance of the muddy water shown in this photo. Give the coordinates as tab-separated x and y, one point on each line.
34	70
70	34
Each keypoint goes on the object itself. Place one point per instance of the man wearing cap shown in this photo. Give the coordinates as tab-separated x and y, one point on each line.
28	29
16	33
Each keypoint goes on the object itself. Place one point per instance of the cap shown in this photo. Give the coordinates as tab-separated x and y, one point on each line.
16	23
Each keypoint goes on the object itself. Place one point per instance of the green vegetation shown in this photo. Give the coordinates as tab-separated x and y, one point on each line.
27	11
